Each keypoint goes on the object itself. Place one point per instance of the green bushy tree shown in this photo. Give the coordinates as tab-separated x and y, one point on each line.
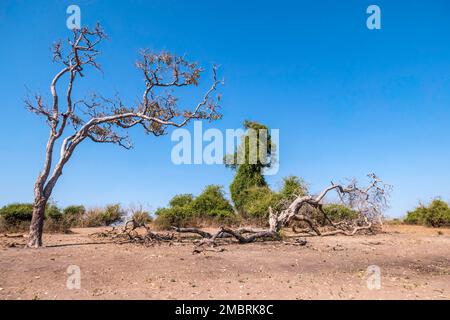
181	200
436	214
338	212
248	174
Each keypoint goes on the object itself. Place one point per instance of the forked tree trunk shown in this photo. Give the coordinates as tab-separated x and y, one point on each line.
37	223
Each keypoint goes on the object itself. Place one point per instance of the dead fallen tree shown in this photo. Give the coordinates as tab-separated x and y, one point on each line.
369	202
134	232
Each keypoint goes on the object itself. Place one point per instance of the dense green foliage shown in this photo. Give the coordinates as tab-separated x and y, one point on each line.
212	202
436	214
339	212
248	174
257	200
53	212
210	206
293	187
181	200
16	213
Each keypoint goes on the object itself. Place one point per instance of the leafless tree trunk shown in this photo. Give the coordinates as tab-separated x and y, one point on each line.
105	120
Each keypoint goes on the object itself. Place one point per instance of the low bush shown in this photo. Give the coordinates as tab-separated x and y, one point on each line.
53	212
73	215
339	212
98	217
257	200
293	186
210	207
436	214
175	216
141	217
16	217
16	213
211	202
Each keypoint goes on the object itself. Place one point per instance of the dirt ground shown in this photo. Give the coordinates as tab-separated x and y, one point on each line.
414	263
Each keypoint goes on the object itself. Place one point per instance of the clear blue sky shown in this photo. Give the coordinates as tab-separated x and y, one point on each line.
347	100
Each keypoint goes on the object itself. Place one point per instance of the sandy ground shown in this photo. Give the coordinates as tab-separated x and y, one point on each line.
414	264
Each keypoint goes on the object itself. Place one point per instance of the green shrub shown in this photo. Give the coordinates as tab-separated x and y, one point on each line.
17	217
339	212
112	213
16	213
210	206
247	176
53	212
181	200
293	186
178	217
417	216
258	200
437	214
211	199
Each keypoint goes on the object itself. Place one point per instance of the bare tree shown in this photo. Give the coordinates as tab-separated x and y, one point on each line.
106	120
